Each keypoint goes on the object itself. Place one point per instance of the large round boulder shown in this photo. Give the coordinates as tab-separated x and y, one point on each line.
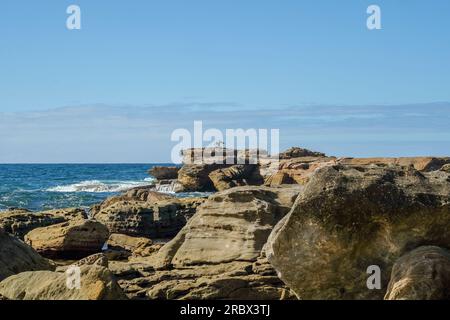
349	218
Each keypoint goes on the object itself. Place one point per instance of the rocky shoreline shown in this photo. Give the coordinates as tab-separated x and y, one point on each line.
305	227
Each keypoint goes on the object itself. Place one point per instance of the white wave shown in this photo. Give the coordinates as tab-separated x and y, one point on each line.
101	186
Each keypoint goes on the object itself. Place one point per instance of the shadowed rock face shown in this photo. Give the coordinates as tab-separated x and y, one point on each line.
20	221
16	257
350	217
422	274
152	219
75	239
97	283
164	173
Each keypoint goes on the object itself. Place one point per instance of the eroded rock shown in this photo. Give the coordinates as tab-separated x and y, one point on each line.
16	257
21	221
75	239
422	274
350	217
96	283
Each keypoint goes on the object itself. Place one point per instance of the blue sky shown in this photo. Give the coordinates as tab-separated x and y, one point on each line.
222	62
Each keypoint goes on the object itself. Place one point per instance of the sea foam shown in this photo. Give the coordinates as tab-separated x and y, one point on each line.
101	186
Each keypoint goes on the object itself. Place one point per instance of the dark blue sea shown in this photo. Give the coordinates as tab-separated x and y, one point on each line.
52	186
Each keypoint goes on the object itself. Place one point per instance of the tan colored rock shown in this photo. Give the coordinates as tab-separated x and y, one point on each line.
422	274
75	239
446	168
98	259
140	194
419	163
296	170
127	245
195	177
236	175
160	219
350	217
16	257
164	173
232	225
96	283
217	254
21	221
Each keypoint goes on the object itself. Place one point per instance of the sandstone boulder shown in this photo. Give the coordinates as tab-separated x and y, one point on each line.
164	173
125	246
237	175
351	217
21	221
140	194
75	239
231	225
16	257
158	219
422	274
96	283
217	255
195	177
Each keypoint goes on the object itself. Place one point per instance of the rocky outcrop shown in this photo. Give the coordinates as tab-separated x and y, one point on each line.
122	246
164	173
237	175
296	170
140	194
151	219
216	255
16	257
21	221
75	239
296	152
96	283
351	217
446	168
195	177
419	163
423	274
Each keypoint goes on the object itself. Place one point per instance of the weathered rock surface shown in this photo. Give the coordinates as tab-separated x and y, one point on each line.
75	239
120	245
232	225
164	173
218	254
296	170
422	274
446	168
96	283
296	152
236	175
195	177
419	163
160	219
16	257
350	217
140	194
21	221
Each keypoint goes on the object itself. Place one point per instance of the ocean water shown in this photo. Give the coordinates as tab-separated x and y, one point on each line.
52	186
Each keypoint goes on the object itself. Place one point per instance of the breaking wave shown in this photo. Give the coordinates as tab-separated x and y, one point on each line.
101	186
